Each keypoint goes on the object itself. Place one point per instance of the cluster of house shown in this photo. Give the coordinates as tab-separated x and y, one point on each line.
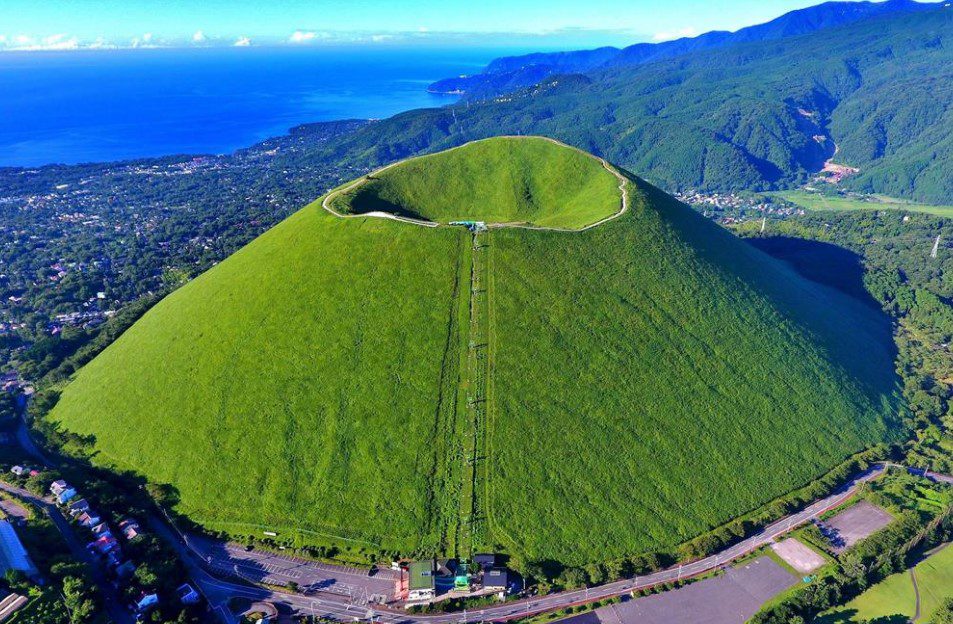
10	380
106	545
430	578
24	471
186	594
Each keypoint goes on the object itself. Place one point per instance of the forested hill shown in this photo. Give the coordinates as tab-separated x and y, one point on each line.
753	116
508	73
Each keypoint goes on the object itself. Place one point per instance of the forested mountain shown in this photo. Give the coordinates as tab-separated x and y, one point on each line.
758	115
512	72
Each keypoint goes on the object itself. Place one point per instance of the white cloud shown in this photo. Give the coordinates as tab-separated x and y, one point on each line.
242	42
145	41
102	44
198	37
302	36
379	38
688	31
60	41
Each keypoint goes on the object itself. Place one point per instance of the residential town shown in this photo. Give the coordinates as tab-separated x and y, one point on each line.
79	244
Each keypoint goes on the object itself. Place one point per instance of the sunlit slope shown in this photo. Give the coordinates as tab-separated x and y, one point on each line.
648	378
297	383
500	180
655	377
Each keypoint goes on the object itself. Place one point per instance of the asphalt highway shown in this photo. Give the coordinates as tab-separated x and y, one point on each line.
350	606
349	594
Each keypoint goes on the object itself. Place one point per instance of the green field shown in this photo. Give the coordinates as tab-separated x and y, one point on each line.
819	201
298	383
895	596
504	180
686	376
574	396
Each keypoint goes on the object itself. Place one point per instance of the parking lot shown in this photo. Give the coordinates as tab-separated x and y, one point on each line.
730	598
854	524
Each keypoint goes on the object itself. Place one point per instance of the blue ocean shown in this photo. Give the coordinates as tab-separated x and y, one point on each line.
86	106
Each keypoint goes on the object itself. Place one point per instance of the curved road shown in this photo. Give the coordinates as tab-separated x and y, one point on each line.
342	607
111	598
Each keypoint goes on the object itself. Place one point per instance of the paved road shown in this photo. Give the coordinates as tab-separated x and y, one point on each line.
111	598
342	607
23	432
348	607
922	472
311	576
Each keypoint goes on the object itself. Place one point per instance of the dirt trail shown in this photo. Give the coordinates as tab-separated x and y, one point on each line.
623	189
916	593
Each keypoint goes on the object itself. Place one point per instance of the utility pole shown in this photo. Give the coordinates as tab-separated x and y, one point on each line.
936	246
764	222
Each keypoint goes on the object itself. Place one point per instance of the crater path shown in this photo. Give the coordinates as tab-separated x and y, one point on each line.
589	204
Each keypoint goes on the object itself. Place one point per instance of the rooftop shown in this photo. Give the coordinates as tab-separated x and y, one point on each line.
13	555
421	575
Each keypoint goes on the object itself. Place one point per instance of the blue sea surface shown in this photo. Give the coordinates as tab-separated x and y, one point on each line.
100	105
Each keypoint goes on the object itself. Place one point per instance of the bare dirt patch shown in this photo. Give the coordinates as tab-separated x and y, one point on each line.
854	524
14	510
797	555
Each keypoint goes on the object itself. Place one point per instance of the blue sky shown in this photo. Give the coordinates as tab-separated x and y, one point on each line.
68	24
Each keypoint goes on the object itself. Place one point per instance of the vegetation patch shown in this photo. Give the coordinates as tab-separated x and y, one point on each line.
569	397
502	180
839	202
895	596
688	378
297	383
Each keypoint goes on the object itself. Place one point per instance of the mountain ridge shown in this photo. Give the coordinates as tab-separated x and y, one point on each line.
753	116
509	73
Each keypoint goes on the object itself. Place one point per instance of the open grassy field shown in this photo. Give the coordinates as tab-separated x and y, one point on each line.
303	382
818	201
573	396
504	180
687	378
895	596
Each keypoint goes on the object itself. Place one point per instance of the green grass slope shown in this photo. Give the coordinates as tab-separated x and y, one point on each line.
297	383
687	378
895	596
644	380
503	180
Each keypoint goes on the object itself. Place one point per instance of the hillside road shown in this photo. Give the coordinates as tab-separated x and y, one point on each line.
340	606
